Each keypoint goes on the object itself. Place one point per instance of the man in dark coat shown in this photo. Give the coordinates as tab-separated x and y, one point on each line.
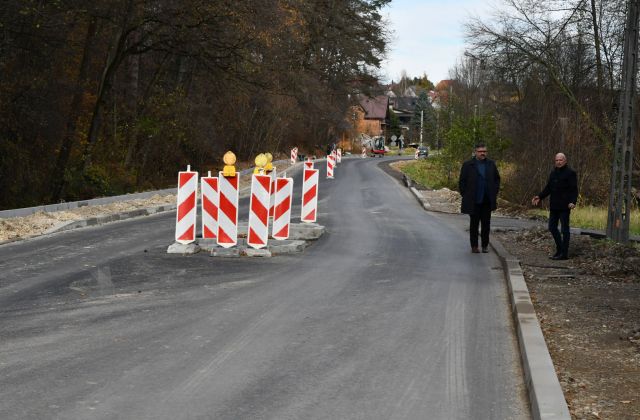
562	186
479	184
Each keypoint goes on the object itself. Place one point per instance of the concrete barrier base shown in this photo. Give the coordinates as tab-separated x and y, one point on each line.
178	248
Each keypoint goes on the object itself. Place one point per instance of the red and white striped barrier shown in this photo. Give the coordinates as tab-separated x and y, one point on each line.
282	213
294	155
364	152
186	212
272	199
331	164
310	195
258	228
308	163
209	204
339	155
228	210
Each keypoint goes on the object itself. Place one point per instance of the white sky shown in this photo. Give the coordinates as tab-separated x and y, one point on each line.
428	35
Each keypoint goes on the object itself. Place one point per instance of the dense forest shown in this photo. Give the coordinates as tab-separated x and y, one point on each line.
110	96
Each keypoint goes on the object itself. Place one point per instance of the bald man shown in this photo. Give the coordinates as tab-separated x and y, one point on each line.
562	187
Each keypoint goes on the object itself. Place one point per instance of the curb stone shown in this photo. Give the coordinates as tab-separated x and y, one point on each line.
26	211
274	247
290	247
98	220
545	393
108	218
250	252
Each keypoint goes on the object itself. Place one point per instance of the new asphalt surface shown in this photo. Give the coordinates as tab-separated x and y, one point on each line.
386	316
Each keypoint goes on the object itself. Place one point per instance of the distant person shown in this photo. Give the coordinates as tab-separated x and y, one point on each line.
562	187
479	184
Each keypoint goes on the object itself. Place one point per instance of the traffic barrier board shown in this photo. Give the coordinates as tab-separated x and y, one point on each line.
186	206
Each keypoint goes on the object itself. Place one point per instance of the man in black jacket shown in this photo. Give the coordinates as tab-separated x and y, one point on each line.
562	187
479	184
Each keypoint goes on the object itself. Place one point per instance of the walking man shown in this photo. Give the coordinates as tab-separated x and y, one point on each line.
479	184
562	187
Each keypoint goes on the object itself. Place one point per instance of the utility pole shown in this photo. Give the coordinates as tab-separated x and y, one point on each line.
621	168
421	125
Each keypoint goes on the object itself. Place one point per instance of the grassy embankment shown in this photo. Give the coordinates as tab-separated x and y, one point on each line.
433	173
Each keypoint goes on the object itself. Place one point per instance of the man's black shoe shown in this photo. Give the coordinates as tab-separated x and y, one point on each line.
484	250
559	257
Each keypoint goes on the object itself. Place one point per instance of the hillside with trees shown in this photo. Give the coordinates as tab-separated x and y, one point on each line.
108	97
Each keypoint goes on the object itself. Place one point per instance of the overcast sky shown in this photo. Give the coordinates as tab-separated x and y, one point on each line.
428	35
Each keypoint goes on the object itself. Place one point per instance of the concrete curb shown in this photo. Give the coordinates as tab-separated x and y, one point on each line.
108	218
100	220
545	393
26	211
95	221
5	214
274	248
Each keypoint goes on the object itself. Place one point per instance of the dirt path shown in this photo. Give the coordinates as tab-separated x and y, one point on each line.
589	311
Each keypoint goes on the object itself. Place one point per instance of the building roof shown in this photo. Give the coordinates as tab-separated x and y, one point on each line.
410	92
376	107
407	104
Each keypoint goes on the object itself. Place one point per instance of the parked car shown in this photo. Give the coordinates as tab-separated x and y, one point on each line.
423	151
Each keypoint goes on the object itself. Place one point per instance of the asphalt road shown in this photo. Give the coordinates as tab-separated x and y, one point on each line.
387	316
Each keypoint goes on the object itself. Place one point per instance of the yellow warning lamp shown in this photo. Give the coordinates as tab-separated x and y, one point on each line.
261	160
229	169
269	166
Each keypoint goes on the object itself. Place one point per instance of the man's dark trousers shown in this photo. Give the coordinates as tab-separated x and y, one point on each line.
481	216
562	242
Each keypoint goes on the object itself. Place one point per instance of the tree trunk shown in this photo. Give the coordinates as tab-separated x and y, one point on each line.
596	38
57	181
113	61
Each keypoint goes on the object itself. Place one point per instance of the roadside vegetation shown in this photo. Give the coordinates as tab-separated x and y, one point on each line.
437	173
592	217
540	77
108	97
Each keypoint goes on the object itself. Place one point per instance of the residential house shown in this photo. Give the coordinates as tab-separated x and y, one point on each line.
368	117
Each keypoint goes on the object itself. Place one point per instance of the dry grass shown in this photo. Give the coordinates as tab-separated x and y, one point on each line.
590	217
596	218
433	174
